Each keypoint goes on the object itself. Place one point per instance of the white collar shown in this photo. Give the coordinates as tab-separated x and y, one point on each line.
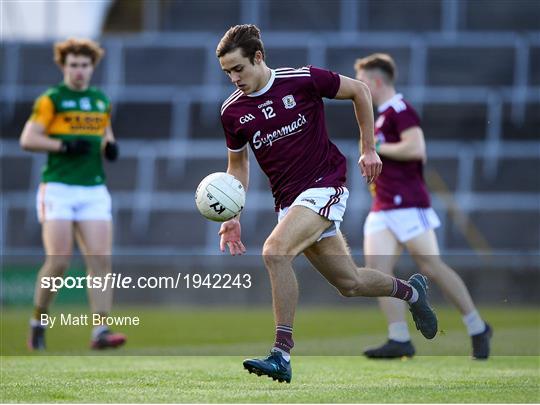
266	86
388	103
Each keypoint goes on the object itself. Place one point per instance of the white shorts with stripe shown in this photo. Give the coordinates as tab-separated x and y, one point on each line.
404	223
75	203
329	202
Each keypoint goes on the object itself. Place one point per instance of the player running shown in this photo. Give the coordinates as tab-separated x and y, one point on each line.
280	114
401	215
71	122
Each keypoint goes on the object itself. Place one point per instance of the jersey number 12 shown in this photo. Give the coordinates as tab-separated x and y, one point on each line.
268	112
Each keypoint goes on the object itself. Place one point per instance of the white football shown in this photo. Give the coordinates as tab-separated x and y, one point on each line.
220	197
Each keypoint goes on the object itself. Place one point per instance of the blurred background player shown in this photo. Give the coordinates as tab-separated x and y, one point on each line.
401	215
280	114
71	122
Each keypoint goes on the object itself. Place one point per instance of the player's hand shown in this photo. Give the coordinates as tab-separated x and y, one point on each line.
230	233
370	165
111	151
75	147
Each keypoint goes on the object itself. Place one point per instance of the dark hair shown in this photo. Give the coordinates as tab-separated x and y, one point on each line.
378	61
247	37
84	47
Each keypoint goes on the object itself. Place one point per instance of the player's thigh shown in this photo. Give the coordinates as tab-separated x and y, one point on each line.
424	249
331	257
382	250
57	236
94	237
300	228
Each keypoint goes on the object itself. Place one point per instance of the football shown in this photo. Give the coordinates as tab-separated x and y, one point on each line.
220	197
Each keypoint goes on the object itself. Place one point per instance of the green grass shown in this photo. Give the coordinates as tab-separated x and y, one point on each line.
202	351
221	379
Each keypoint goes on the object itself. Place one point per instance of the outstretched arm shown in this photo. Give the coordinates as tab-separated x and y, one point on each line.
351	89
230	231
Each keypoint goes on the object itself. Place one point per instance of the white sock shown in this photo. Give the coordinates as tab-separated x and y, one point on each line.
286	356
98	330
36	322
399	331
474	323
414	296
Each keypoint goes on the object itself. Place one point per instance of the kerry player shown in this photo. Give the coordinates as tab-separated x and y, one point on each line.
280	114
71	123
401	215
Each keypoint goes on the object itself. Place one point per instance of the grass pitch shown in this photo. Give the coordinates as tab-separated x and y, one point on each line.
202	351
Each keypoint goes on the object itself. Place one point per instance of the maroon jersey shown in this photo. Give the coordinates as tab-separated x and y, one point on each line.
285	127
401	183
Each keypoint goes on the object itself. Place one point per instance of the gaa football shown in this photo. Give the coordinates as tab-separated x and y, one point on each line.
220	197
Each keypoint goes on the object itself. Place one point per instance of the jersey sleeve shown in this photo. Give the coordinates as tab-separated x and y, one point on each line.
406	119
326	82
235	142
43	111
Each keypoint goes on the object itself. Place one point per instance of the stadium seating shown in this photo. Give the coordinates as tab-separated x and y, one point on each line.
498	229
534	66
15	173
299	15
387	15
138	119
12	118
168	66
189	15
495	69
509	175
465	121
520	15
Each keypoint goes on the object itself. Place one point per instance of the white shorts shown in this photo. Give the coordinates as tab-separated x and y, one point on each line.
405	223
329	202
75	203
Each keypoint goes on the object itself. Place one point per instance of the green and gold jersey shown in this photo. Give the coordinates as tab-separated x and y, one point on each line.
66	115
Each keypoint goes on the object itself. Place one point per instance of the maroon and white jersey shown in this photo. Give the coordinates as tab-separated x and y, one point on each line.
401	183
285	127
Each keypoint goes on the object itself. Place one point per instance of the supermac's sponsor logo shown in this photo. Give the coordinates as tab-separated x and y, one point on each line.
260	140
379	121
246	118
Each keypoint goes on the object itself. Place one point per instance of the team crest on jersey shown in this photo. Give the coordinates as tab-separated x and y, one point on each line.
85	104
101	105
289	102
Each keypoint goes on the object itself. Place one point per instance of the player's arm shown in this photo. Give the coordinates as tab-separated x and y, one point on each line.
33	138
351	89
230	231
411	146
109	145
238	166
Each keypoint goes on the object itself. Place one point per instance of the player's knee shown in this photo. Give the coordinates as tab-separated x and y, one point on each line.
429	265
56	265
275	252
351	287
